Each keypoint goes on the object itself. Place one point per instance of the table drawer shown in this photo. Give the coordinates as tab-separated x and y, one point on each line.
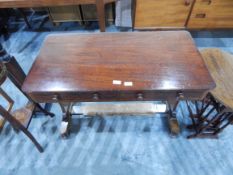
114	96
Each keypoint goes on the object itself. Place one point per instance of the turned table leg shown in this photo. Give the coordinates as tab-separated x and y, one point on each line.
172	120
66	119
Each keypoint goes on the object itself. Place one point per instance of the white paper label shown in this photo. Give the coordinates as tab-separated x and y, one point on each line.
128	83
116	82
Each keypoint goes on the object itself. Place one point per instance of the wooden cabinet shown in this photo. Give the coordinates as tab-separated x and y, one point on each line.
65	13
86	12
90	12
212	14
161	13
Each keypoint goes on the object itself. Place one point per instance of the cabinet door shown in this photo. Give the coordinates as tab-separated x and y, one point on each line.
212	14
161	13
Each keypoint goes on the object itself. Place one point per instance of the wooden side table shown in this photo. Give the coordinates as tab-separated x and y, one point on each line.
109	67
215	112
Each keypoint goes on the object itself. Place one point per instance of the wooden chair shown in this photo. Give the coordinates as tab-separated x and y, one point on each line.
215	112
4	95
19	119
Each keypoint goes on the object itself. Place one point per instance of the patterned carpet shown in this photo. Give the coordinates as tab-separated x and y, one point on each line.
108	145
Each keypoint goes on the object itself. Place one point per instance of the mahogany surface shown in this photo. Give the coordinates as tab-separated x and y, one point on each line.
82	67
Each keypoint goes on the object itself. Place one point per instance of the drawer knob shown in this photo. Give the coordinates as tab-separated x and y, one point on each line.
180	95
95	96
187	2
55	98
200	15
208	2
140	96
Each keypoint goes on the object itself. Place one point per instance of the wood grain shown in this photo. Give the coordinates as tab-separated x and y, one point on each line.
161	14
220	65
157	63
211	14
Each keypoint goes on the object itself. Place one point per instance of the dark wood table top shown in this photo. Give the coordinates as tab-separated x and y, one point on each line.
150	61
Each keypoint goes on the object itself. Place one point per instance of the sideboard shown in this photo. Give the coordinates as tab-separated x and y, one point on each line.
176	14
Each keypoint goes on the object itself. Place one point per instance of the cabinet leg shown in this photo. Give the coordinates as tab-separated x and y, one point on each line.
101	14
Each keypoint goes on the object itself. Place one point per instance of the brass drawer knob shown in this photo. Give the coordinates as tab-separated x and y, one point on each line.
180	95
200	15
187	2
140	96
55	98
96	96
208	2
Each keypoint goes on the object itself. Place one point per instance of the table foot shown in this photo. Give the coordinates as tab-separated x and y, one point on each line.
64	130
173	126
172	120
66	119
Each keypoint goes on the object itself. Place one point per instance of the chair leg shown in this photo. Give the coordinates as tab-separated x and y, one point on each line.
19	126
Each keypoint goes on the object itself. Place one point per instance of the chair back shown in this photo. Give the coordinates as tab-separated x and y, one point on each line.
3	73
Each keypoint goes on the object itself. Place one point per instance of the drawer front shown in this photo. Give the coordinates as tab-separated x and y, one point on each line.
115	96
161	14
212	14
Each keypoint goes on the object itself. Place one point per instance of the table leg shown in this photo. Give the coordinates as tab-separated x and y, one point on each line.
66	119
172	120
210	120
101	14
202	127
